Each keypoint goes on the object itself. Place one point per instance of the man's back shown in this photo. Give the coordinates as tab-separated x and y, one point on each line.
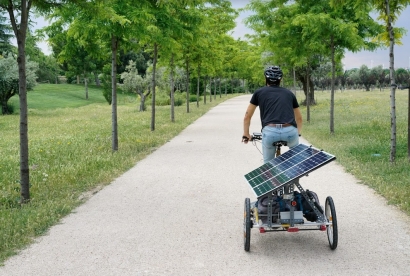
276	105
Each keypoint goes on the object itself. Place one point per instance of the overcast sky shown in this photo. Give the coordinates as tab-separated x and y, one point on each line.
353	60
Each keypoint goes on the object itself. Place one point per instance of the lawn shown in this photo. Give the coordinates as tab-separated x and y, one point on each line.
361	141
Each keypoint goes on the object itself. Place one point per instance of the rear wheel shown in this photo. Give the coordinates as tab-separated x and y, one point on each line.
247	224
330	213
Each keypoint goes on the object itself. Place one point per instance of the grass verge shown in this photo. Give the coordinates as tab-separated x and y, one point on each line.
70	153
361	141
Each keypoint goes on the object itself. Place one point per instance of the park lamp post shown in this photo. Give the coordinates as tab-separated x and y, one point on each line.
408	120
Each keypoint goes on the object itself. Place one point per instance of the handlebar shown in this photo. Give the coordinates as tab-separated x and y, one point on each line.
255	136
258	136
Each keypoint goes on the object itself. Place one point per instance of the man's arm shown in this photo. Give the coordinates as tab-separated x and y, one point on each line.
299	119
247	121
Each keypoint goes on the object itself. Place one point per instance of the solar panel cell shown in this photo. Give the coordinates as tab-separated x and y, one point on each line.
289	166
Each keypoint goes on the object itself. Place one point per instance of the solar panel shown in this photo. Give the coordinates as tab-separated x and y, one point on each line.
293	164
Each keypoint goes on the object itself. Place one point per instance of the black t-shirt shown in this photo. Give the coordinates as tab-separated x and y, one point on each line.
276	105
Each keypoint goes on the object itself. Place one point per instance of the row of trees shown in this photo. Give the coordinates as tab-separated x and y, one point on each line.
88	37
359	78
84	35
303	34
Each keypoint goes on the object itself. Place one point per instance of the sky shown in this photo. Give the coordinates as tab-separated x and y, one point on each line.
352	60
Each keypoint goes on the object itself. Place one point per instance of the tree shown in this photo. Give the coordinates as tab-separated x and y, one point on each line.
301	32
19	12
48	68
112	23
20	31
402	77
9	79
5	35
281	40
366	77
389	10
382	76
133	82
205	46
140	58
80	60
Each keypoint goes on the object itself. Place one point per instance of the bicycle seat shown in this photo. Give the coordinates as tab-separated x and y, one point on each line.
280	143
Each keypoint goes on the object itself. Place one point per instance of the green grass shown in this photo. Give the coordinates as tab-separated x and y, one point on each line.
70	153
51	96
361	141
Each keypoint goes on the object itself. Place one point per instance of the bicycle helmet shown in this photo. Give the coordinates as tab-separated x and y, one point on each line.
273	74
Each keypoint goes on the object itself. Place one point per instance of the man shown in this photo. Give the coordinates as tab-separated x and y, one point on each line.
279	111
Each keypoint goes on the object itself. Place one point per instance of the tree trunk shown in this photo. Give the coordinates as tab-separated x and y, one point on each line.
307	94
210	90
86	86
4	107
97	80
392	87
408	123
187	85
142	103
143	97
205	82
78	79
304	78
216	88
332	92
20	31
114	49
172	89
197	85
220	91
154	69
24	149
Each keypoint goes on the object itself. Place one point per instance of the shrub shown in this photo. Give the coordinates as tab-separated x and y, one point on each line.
179	98
239	89
192	98
10	108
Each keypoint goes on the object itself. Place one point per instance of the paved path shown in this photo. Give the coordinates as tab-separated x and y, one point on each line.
180	212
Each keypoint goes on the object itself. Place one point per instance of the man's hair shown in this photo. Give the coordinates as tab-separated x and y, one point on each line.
273	75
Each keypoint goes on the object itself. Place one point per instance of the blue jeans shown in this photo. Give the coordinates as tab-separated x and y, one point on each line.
272	134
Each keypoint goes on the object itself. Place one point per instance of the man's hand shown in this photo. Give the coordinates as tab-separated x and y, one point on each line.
246	138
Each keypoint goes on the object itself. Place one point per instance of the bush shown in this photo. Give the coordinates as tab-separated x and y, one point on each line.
162	99
192	98
179	99
10	108
239	89
178	102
